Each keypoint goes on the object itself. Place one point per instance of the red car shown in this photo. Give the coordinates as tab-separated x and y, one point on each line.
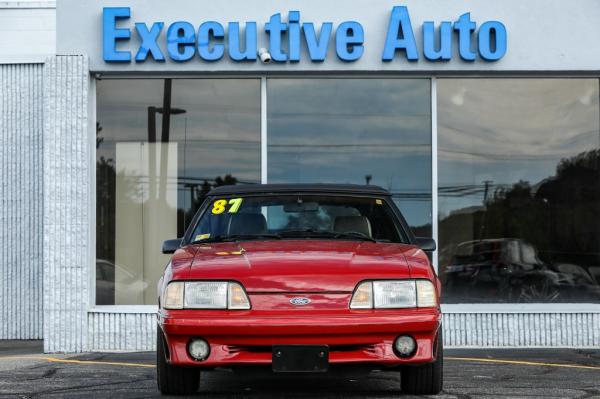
299	278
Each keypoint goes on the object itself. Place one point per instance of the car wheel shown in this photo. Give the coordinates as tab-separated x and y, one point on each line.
538	292
426	379
173	380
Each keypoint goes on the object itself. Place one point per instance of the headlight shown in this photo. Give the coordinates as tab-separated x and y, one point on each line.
205	295
394	294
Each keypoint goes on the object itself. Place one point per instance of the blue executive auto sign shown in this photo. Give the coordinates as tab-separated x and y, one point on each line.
211	40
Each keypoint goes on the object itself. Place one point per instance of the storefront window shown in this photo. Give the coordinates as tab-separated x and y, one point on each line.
374	131
519	190
162	144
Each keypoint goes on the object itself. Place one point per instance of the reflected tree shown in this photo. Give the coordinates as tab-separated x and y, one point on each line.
105	230
105	209
198	192
557	217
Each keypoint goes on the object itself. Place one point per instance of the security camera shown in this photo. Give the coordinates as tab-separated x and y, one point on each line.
265	56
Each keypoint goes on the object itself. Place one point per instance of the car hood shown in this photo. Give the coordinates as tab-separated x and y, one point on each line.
298	265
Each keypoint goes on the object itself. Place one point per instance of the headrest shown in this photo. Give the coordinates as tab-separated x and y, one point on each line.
346	224
247	223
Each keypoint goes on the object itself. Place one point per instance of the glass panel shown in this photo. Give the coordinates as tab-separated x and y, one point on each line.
375	131
519	190
154	169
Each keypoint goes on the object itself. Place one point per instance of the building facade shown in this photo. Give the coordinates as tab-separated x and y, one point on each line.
483	120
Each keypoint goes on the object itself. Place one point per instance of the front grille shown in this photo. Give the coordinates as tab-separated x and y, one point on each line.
370	348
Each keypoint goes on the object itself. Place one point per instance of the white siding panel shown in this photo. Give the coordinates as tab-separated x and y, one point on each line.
526	330
21	201
128	332
137	331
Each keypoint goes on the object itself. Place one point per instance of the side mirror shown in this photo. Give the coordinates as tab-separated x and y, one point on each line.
170	246
426	244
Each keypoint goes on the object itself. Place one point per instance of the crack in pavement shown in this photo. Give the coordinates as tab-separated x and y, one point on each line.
79	387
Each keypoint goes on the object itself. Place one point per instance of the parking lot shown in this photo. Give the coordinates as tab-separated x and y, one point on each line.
26	373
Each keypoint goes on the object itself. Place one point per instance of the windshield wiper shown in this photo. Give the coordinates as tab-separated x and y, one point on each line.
327	234
306	233
237	237
355	234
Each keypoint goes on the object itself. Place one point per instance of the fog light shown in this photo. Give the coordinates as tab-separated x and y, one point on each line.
199	349
405	346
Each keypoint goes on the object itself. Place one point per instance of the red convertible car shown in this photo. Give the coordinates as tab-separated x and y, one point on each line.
299	278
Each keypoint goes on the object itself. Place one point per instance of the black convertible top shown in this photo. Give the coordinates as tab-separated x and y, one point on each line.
286	188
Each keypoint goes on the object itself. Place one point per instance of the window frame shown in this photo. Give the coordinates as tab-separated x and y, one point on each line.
514	307
462	308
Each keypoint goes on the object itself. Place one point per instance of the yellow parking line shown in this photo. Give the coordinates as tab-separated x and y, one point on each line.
521	362
57	360
465	359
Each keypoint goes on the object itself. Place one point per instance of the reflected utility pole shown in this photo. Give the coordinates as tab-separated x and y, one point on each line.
166	112
484	217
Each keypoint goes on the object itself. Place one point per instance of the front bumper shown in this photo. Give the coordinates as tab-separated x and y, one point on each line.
239	338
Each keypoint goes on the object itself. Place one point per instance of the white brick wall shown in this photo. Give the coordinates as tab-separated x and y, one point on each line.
66	226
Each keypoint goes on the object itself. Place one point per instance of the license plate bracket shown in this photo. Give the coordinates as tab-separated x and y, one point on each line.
300	358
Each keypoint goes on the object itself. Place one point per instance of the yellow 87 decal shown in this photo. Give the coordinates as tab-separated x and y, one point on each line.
219	206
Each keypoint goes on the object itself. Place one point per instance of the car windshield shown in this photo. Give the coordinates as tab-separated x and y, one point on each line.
297	216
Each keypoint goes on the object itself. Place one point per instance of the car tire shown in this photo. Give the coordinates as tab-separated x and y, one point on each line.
426	379
173	380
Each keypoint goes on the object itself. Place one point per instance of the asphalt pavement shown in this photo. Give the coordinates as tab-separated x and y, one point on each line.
525	373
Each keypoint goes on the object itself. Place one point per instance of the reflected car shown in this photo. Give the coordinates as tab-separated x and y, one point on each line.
582	283
506	269
299	279
111	278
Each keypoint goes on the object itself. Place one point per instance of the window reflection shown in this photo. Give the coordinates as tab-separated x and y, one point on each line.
519	190
162	144
373	131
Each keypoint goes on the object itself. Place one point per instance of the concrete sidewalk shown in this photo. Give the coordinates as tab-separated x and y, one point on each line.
13	347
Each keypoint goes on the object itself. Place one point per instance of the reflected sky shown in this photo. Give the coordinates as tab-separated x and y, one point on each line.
216	109
506	130
219	133
343	130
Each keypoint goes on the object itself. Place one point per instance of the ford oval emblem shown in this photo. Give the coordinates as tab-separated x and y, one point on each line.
299	301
